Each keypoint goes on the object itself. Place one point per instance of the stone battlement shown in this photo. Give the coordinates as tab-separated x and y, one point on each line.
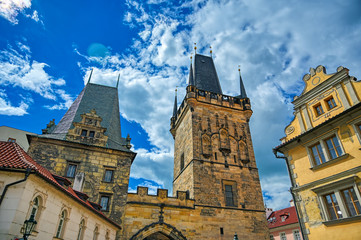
142	196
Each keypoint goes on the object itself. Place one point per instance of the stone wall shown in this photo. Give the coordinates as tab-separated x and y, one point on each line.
55	155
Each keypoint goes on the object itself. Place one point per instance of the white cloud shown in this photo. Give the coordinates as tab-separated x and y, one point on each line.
7	109
276	191
18	70
9	9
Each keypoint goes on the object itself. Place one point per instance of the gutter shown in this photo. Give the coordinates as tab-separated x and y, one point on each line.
27	173
300	221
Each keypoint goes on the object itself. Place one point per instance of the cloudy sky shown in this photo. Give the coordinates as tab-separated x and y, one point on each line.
47	49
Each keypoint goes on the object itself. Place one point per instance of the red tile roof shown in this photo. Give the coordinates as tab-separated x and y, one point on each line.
13	157
282	217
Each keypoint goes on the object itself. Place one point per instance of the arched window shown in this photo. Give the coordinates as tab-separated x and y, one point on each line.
81	230
96	233
35	208
61	225
107	235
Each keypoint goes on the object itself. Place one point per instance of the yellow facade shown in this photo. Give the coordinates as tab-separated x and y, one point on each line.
322	151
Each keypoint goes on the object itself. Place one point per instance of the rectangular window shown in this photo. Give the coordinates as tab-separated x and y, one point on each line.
11	140
332	206
104	203
330	103
108	176
352	203
84	132
71	170
317	154
182	162
271	237
296	235
318	109
91	134
229	195
333	147
283	236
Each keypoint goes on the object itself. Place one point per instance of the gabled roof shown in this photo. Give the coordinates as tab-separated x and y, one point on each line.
104	100
205	74
13	157
282	217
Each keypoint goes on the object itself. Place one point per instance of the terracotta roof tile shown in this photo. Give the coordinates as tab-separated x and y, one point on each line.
282	217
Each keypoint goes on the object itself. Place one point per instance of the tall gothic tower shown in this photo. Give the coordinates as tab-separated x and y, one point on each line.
213	157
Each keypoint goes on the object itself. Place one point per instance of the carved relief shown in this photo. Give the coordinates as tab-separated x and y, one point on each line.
224	140
88	130
206	146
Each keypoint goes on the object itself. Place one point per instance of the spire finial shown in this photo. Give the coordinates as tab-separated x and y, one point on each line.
90	75
239	70
210	51
195	48
175	103
243	93
118	80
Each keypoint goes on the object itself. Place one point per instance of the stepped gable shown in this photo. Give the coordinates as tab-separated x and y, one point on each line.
102	99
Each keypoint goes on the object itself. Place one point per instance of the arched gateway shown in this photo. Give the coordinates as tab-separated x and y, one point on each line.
158	230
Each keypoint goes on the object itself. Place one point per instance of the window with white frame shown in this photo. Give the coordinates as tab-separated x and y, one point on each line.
271	237
340	199
81	230
325	149
283	236
296	235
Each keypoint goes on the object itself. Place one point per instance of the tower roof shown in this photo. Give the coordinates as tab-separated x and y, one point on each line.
102	99
242	88
205	74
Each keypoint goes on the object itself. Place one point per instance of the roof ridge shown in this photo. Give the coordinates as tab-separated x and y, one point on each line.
20	151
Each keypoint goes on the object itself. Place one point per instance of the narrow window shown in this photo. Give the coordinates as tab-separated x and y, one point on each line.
330	103
84	132
234	158
59	231
319	110
71	170
108	176
296	235
332	206
317	154
182	162
81	230
96	233
35	208
104	203
107	235
229	195
333	147
352	203
283	236
215	156
91	134
221	231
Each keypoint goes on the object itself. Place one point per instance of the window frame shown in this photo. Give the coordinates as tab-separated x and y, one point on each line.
107	169
320	107
283	234
325	150
105	195
233	185
62	221
337	188
76	164
81	231
356	125
332	101
298	236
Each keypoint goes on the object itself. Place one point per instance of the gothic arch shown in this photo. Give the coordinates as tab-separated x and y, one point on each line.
162	228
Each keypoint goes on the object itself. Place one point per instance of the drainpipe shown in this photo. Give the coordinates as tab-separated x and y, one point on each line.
27	173
300	223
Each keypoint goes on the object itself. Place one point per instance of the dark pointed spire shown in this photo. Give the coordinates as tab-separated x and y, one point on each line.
205	74
175	105
242	89
191	79
90	76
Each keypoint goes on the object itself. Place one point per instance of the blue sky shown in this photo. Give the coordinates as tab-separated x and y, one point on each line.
47	49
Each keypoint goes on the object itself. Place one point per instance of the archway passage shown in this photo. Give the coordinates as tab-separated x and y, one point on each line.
158	230
158	236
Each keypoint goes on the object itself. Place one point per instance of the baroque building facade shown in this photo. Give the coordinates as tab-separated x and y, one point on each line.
322	153
216	188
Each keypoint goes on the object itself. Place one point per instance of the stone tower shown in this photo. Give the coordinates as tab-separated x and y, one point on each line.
213	157
87	148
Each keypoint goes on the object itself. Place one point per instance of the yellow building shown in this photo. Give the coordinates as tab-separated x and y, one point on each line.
322	152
